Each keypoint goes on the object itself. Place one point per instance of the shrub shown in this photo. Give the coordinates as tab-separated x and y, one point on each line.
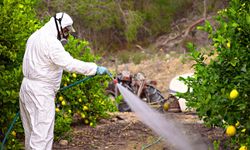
229	70
18	21
87	99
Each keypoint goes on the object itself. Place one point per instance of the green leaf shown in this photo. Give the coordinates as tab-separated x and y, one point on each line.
248	18
244	69
200	28
242	106
234	61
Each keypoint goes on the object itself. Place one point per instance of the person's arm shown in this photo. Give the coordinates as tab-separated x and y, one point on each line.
62	58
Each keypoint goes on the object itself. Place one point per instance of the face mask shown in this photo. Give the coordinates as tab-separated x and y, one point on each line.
64	36
64	41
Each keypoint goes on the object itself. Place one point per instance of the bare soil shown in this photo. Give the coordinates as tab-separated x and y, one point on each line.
123	131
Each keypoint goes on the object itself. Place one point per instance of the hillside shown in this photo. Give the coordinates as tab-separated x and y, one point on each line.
117	25
167	55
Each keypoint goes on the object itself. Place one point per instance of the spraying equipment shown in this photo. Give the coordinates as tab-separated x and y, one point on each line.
138	84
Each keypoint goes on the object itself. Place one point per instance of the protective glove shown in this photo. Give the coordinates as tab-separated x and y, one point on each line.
103	70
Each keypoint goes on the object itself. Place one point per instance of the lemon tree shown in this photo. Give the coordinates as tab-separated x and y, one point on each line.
221	88
86	100
18	22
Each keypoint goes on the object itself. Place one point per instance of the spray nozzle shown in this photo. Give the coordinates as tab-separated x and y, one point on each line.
115	81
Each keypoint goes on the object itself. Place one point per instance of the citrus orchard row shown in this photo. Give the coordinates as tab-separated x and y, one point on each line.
220	88
16	28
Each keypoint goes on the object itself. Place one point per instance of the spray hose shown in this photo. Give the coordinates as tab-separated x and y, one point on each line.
10	128
149	145
17	114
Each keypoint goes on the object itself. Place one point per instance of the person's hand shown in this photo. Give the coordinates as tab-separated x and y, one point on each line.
103	70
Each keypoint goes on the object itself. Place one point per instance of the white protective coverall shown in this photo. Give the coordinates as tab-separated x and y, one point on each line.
43	64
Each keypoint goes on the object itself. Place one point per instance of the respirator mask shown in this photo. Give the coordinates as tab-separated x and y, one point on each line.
63	36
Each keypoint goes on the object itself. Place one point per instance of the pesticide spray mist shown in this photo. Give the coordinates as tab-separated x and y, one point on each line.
166	128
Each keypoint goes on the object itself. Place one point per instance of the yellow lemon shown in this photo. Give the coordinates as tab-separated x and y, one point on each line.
85	108
63	103
243	130
69	111
13	133
237	124
233	94
80	100
83	115
166	106
65	84
231	131
243	148
74	75
91	124
60	98
57	109
228	45
86	121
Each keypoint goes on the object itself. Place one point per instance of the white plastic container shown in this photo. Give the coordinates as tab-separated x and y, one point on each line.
178	86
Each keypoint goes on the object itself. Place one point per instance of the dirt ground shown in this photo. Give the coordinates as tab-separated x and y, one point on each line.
123	131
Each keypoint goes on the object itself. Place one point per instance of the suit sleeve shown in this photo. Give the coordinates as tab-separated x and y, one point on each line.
62	58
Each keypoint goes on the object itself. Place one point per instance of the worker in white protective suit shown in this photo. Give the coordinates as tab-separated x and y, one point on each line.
43	64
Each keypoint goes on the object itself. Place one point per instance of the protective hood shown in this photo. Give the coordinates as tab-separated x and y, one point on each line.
66	19
50	26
